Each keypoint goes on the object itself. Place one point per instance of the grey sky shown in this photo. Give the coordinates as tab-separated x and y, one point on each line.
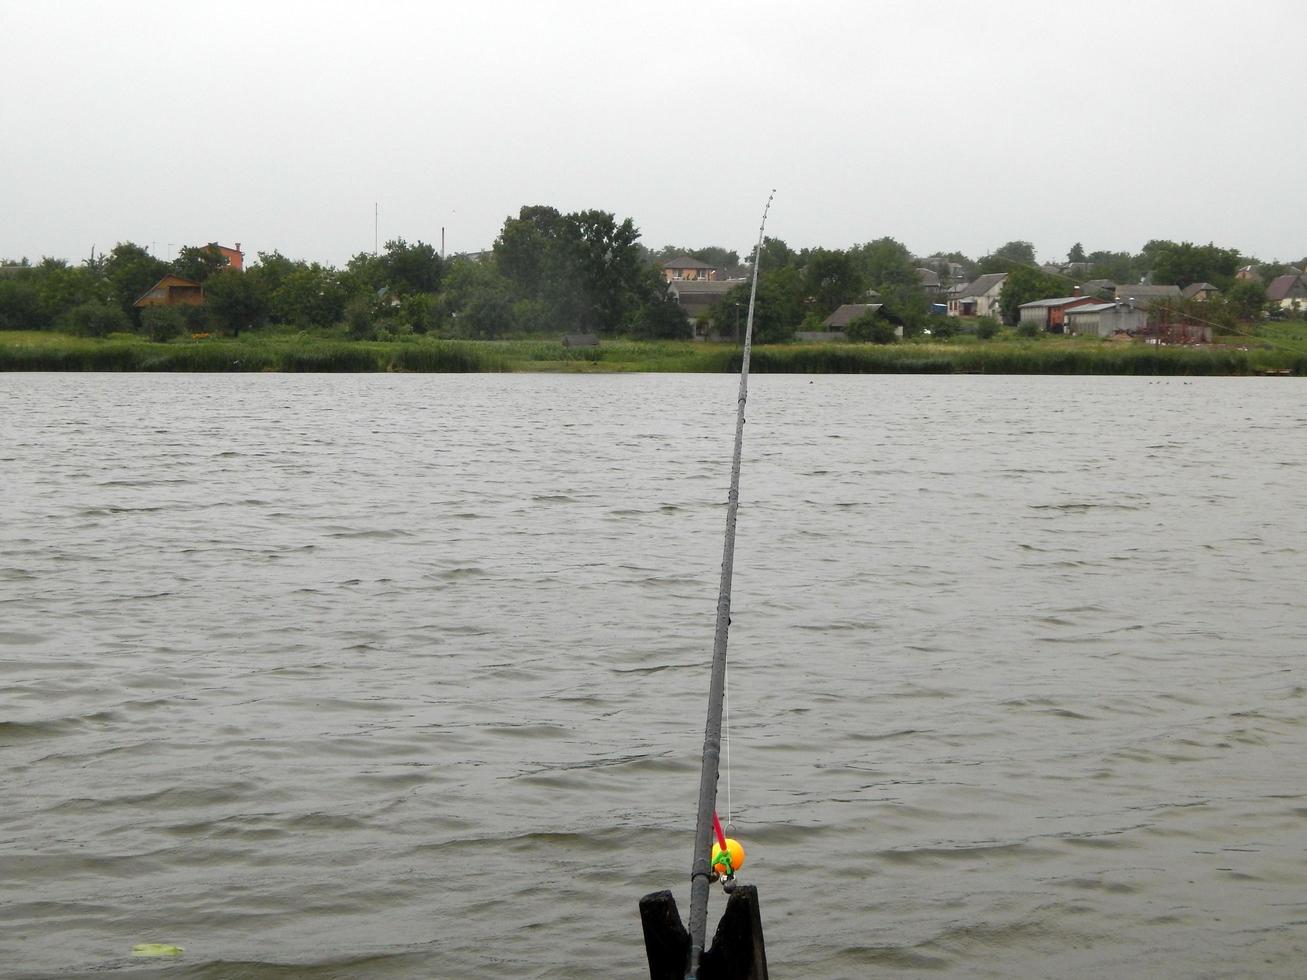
944	124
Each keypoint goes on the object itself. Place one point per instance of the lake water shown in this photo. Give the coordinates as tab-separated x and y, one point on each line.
405	676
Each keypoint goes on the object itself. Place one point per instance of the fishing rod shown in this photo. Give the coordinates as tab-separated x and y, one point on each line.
739	935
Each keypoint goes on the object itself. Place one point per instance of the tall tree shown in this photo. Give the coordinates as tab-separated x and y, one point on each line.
1077	253
831	278
1007	257
130	271
1025	285
198	262
412	268
236	301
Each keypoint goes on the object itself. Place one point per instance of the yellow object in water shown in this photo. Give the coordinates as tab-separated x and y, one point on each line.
734	854
156	949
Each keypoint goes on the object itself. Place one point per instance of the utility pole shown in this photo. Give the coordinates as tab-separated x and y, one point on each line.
376	224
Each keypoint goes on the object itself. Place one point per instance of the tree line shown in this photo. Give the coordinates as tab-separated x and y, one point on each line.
580	272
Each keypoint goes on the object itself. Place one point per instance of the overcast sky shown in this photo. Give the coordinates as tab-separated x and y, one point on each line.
945	124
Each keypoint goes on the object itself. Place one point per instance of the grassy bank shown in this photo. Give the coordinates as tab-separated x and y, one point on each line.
46	351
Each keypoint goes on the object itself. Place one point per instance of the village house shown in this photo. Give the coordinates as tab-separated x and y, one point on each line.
1288	293
979	297
929	280
172	291
1104	320
687	268
697	296
835	323
1200	291
1143	296
1050	314
1103	289
234	256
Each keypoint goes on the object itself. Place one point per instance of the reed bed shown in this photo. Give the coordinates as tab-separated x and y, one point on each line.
44	351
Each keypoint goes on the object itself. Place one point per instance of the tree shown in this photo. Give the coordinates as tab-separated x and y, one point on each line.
130	270
236	300
1025	285
412	268
96	319
62	287
873	327
20	305
476	302
306	295
773	255
832	278
1007	257
585	267
1184	263
1117	267
1246	298
1077	254
891	271
778	310
661	318
198	263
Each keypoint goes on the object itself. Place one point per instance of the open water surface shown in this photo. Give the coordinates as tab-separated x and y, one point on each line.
405	676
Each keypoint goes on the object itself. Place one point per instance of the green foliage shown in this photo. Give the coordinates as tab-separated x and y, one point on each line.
130	270
20	305
943	327
198	262
585	268
1008	257
415	268
873	327
889	269
477	302
779	307
1246	299
360	312
1028	330
163	322
96	319
301	294
1077	254
832	278
1184	263
661	319
236	301
986	327
1025	285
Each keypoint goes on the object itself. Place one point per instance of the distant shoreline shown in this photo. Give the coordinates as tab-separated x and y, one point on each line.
298	353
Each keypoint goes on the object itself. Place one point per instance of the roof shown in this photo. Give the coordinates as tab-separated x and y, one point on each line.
1144	289
714	287
1095	308
1282	287
171	280
1058	301
928	277
686	262
982	284
849	312
1194	288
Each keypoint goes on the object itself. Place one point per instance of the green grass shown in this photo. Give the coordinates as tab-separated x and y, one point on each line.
1280	347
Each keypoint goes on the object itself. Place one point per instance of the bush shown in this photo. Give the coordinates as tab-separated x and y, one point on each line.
20	306
163	322
1028	330
986	327
97	319
942	327
873	328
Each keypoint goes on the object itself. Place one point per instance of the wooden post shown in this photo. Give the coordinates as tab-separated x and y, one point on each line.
737	951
